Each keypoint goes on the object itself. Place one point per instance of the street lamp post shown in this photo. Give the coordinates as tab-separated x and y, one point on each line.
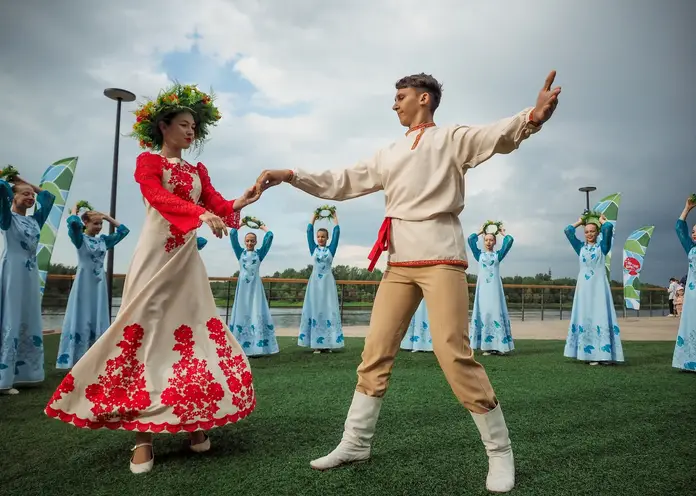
120	96
586	190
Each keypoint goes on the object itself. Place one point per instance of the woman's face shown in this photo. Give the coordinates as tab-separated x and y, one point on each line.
591	233
93	224
693	233
24	196
322	238
489	241
250	241
180	133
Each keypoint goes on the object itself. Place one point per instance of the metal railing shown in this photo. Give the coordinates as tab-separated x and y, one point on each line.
524	301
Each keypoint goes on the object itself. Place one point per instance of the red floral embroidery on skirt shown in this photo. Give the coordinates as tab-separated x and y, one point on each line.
193	392
120	392
67	385
239	379
177	238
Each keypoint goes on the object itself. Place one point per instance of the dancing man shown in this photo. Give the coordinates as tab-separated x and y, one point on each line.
422	176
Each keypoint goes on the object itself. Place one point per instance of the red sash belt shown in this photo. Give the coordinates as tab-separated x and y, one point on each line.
381	245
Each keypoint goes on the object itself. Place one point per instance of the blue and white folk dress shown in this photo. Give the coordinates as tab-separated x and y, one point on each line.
593	333
684	357
21	330
251	322
489	329
87	314
320	324
418	336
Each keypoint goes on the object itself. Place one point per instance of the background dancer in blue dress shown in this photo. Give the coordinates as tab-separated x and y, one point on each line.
21	332
685	349
489	328
320	325
87	315
418	336
593	334
251	322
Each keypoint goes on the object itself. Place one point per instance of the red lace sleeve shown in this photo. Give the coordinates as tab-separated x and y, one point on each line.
182	214
214	202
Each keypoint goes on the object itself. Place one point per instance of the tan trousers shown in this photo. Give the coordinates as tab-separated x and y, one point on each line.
446	294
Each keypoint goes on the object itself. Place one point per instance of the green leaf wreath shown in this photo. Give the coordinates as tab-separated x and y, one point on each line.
83	205
252	222
692	198
319	212
9	173
177	97
591	217
498	227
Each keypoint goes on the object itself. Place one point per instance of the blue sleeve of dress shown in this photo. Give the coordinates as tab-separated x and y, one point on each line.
473	245
234	239
75	230
6	197
683	234
45	200
115	238
574	241
310	239
607	230
335	236
200	243
507	244
265	246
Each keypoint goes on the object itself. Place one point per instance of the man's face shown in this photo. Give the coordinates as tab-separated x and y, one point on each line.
408	102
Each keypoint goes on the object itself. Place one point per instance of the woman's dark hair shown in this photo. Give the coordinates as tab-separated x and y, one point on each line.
167	118
253	234
85	217
322	229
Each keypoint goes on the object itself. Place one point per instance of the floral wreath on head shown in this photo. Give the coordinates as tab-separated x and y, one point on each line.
319	212
9	173
252	222
591	217
83	204
176	98
497	225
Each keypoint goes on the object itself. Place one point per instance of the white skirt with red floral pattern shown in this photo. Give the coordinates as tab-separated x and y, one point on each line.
167	363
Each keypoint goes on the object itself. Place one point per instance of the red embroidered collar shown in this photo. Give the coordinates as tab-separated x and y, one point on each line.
420	126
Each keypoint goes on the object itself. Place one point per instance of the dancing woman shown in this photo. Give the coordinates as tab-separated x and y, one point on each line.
320	324
685	349
251	321
593	333
489	328
167	364
418	336
87	314
21	333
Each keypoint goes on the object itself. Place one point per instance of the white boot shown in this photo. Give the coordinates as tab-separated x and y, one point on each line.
357	434
501	465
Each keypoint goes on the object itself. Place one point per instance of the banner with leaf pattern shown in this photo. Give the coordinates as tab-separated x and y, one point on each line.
633	259
609	206
57	179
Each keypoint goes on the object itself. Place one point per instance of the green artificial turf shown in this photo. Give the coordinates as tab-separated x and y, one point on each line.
576	430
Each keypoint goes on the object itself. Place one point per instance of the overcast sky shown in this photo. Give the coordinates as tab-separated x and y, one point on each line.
310	83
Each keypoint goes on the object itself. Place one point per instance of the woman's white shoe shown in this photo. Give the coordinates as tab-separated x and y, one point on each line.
141	468
201	447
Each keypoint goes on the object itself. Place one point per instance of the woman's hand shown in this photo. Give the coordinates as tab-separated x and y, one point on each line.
269	178
502	231
689	204
602	219
215	223
334	216
250	196
263	228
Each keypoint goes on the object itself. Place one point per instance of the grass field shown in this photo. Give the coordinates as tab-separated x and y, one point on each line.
576	430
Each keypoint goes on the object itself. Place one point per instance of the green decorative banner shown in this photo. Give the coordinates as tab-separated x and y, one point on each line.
57	179
633	260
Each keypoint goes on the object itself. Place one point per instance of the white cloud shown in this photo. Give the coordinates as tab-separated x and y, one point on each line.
616	127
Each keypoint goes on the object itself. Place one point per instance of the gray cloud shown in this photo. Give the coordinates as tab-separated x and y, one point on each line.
625	122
